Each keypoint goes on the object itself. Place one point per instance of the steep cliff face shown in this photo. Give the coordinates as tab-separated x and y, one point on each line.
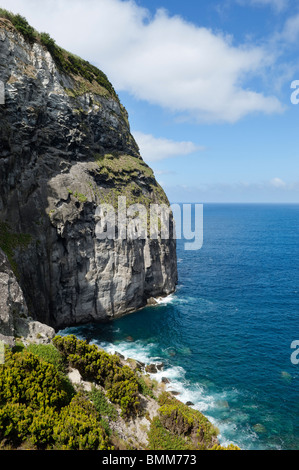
14	316
65	148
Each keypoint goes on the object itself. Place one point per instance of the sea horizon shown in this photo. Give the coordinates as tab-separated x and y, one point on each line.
225	334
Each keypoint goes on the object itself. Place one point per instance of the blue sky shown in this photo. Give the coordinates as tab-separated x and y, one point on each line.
207	85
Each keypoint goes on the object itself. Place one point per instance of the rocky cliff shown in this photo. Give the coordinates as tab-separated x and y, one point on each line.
65	148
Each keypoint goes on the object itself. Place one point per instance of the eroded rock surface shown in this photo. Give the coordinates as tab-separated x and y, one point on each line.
65	148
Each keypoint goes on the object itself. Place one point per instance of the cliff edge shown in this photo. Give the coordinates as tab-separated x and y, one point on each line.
66	148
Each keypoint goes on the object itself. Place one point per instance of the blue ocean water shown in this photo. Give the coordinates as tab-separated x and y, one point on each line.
225	335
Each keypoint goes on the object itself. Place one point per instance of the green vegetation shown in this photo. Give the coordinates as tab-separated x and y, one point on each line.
103	407
126	165
162	439
21	25
81	197
180	427
48	353
97	366
145	388
124	172
10	241
66	62
229	447
78	427
40	409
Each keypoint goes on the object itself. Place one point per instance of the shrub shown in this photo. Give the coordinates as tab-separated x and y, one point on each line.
184	421
26	379
47	41
78	427
15	419
101	404
125	393
36	406
229	447
160	438
105	369
21	25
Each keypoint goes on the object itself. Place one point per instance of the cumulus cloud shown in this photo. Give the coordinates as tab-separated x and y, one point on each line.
162	59
153	149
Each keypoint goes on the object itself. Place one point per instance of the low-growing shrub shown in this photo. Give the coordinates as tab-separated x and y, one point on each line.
119	381
28	380
182	420
36	406
160	438
78	427
101	404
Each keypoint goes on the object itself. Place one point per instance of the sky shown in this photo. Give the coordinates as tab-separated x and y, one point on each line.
209	85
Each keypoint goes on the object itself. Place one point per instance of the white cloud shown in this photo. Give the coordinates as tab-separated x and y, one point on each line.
153	149
162	59
277	183
290	31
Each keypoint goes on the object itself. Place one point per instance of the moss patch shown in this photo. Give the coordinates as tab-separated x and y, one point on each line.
130	177
10	241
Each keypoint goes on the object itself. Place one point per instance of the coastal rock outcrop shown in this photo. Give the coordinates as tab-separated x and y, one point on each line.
14	316
66	148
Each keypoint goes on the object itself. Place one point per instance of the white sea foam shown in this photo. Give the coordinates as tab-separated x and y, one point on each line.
165	300
197	394
215	406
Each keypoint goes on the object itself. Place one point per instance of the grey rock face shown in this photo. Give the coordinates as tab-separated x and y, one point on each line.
14	317
12	302
55	134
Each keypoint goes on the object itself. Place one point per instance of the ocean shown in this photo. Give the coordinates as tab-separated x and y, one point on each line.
225	335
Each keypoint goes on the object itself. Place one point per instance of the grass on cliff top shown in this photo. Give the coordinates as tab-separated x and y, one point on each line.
125	165
66	62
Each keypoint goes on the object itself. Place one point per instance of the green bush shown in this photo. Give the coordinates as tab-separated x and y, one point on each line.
181	420
36	406
160	438
78	427
229	447
47	41
101	404
105	369
26	379
21	25
15	420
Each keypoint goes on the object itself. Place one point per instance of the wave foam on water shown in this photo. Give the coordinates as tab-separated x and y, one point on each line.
185	391
165	300
217	406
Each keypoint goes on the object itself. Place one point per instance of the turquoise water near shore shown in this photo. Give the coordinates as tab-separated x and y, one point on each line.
225	335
